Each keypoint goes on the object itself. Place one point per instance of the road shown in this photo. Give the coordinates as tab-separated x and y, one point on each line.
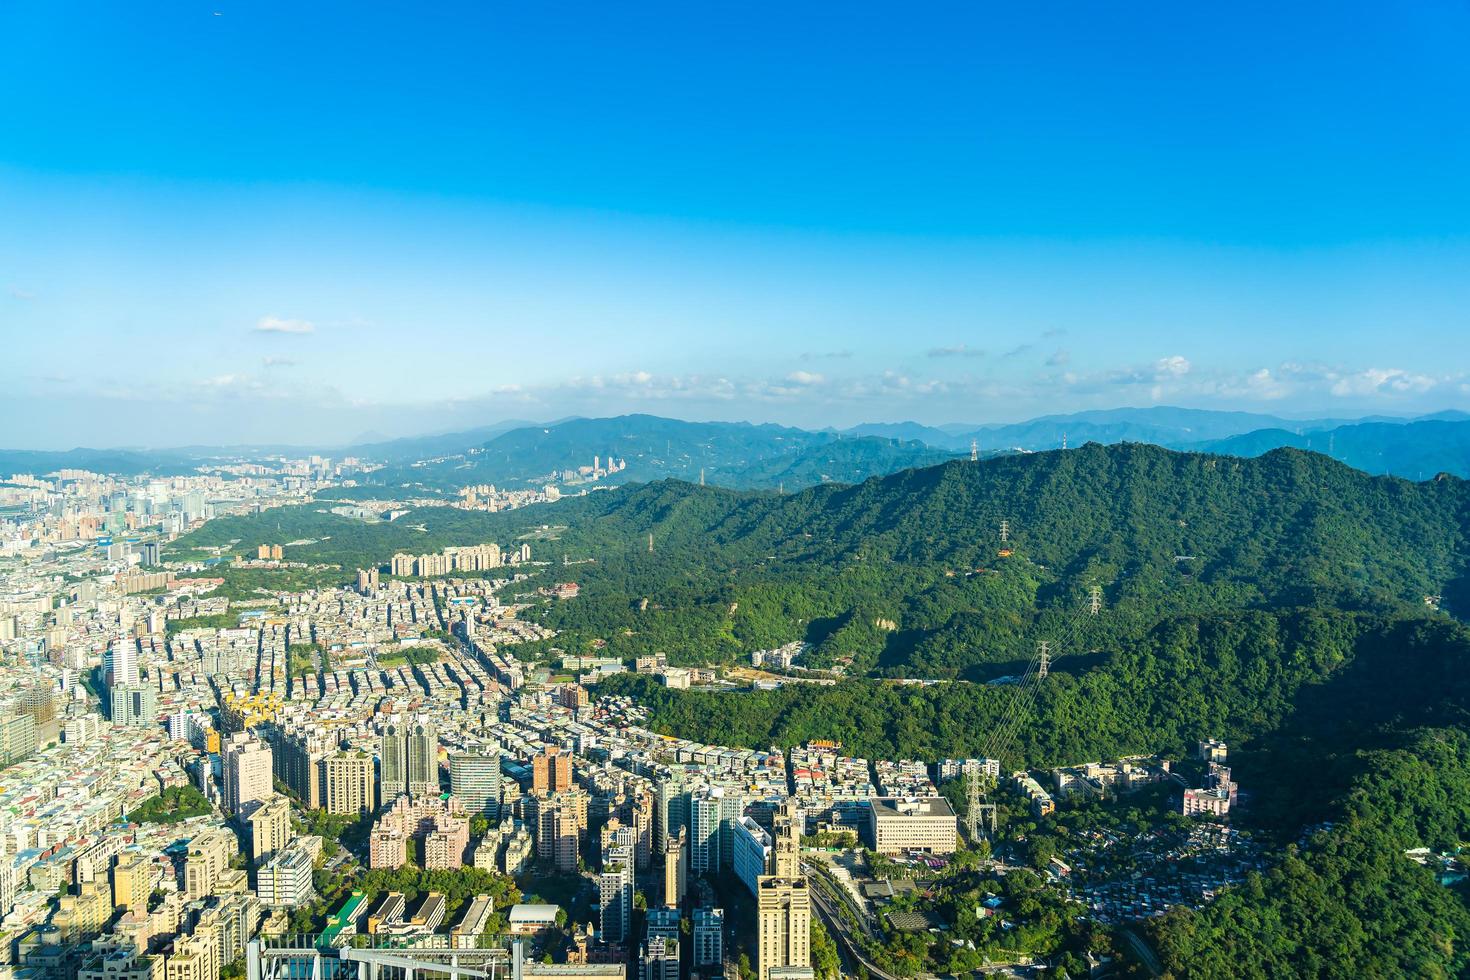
1142	950
838	930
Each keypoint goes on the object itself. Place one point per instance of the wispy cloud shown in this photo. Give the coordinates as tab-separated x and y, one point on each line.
829	355
957	350
1059	358
24	295
1019	350
272	362
275	324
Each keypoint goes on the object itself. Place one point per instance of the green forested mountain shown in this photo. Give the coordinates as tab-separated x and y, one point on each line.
1278	602
1417	450
728	453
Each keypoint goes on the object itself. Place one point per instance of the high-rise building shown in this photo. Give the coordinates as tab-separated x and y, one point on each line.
474	779
132	881
670	808
616	882
783	903
660	960
713	812
709	937
285	880
209	856
676	869
120	665
409	758
560	820
551	771
133	704
270	827
17	738
296	756
246	771
347	783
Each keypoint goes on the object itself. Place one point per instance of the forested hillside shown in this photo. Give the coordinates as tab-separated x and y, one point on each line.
735	454
1285	603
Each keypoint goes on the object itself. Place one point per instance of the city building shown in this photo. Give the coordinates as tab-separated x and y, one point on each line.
347	783
783	902
551	771
409	761
270	827
676	869
913	824
285	880
208	858
247	771
474	779
709	937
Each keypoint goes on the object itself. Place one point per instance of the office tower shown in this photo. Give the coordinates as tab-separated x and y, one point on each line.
270	827
783	904
615	883
786	830
551	771
474	779
347	783
676	869
133	704
709	937
247	772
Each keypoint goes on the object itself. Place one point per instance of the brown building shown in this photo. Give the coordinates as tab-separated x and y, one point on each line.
551	772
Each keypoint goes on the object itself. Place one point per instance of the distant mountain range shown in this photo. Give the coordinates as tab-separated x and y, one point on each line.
740	454
734	454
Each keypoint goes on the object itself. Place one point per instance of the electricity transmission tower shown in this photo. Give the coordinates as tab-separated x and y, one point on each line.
1043	657
1094	600
1005	531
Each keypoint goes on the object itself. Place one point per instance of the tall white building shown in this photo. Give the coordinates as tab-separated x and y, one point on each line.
246	765
121	665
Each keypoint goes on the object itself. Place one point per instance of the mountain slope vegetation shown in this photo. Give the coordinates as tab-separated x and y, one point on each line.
728	453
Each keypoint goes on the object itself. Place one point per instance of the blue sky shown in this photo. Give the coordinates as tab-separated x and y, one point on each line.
225	221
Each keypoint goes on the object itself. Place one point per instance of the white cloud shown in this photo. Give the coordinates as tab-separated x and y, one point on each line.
25	295
805	378
271	362
1175	366
1382	381
275	324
